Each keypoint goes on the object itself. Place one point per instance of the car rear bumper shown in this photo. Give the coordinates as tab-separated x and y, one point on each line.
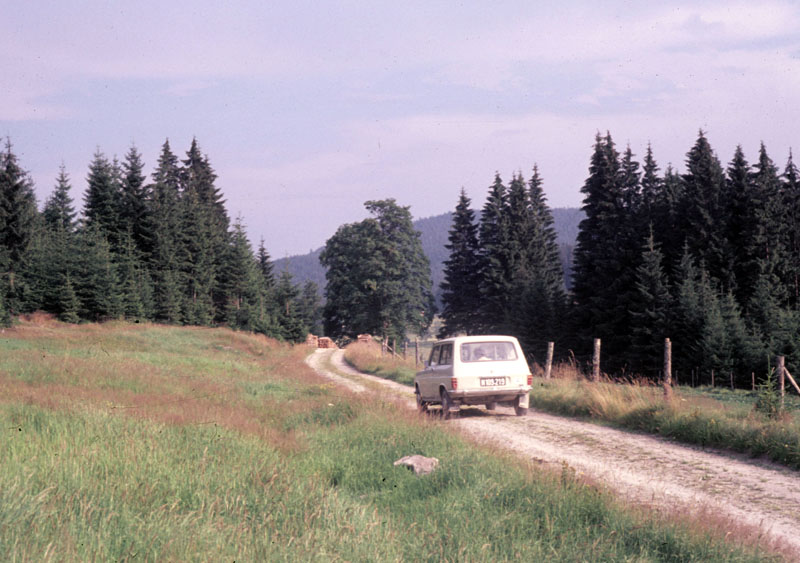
483	396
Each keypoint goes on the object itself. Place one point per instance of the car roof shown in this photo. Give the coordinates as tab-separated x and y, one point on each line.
479	338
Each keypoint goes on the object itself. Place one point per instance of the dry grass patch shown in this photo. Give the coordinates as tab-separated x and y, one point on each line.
179	376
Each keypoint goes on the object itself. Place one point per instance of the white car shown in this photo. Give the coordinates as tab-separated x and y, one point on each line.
474	370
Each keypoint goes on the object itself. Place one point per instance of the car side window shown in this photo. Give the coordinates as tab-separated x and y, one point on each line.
434	359
446	357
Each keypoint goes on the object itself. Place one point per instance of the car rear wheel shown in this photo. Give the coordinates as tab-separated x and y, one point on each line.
422	406
520	411
447	404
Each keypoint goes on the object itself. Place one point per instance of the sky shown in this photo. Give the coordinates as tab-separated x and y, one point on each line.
308	109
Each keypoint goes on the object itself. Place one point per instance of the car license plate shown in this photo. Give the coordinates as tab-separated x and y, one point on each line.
492	381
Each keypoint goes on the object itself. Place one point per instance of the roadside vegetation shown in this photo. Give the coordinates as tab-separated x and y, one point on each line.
748	422
148	442
368	358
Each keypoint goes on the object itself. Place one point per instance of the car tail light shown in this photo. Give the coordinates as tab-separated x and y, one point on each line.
454	383
530	379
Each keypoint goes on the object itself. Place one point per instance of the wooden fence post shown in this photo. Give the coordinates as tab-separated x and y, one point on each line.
405	348
753	380
732	389
596	360
416	352
791	379
667	369
712	378
782	378
549	365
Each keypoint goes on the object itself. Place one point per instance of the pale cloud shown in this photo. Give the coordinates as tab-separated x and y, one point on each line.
343	102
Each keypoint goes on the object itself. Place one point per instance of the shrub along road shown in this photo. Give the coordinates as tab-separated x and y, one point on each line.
742	496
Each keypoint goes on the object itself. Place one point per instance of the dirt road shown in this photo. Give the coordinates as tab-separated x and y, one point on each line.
762	498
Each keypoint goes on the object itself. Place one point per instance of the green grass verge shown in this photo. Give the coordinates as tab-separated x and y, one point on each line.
92	486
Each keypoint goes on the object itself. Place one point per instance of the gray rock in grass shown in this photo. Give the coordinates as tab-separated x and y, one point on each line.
420	464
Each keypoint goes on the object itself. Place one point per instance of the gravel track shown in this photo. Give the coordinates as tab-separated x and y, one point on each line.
642	469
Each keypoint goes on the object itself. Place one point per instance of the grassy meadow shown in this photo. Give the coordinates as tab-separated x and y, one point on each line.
144	442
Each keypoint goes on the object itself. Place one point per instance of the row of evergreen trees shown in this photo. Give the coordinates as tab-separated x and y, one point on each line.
504	272
163	250
709	258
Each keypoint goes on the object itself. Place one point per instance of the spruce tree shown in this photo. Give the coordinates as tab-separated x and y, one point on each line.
59	210
200	261
747	346
205	237
496	266
265	266
536	306
604	264
290	322
68	306
101	209
773	236
652	190
18	222
240	280
791	202
134	198
53	255
167	260
650	312
688	315
742	226
462	274
667	222
96	280
715	343
135	285
703	211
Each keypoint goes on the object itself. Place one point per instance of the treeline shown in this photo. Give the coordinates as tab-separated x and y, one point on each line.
709	258
163	250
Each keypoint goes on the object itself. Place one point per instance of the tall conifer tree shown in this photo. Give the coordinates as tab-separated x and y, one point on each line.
601	273
496	267
649	311
18	219
462	273
703	209
791	199
101	209
59	209
134	203
167	258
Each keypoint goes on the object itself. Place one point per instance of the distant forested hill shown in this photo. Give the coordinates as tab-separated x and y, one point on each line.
433	232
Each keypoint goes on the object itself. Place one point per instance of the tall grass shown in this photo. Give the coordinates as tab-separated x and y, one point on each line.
246	454
367	357
708	418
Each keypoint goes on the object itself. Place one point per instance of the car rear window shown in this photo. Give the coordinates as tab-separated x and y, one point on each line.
488	351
